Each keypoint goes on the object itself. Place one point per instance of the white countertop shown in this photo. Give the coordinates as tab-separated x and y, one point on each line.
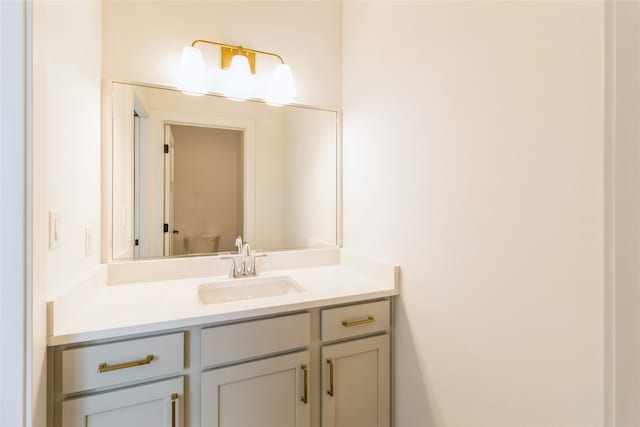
146	307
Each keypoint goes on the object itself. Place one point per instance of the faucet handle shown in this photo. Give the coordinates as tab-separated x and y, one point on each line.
253	269
234	272
246	249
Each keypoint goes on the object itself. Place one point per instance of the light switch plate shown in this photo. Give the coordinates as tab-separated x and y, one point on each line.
55	230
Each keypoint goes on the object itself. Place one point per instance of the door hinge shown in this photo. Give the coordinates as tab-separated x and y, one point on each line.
166	228
166	148
136	242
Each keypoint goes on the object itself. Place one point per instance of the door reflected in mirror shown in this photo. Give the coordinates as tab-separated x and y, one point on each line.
192	173
200	212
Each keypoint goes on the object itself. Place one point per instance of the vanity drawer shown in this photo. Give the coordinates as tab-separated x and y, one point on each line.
354	320
107	365
248	340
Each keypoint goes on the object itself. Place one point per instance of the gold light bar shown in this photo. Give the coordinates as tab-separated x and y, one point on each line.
229	51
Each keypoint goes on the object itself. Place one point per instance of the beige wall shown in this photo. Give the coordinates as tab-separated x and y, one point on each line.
208	187
626	219
66	159
144	39
473	157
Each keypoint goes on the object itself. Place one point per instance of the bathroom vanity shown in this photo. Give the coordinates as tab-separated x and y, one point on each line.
157	340
164	353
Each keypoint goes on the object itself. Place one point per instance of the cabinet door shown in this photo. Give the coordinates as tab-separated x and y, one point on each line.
150	405
356	383
266	393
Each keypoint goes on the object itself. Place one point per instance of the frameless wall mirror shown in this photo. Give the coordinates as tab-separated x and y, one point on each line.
190	173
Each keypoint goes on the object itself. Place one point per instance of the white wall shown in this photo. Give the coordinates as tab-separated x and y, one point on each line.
143	40
3	321
66	159
626	98
473	157
67	69
310	171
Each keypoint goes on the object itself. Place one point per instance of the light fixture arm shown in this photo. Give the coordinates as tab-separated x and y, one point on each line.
240	48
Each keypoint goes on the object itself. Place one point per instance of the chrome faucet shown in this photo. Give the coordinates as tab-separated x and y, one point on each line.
244	263
239	244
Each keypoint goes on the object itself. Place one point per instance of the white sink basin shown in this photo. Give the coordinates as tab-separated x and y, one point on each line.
249	288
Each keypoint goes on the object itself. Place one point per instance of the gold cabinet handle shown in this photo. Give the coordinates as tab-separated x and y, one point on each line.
330	391
305	371
103	367
174	397
369	319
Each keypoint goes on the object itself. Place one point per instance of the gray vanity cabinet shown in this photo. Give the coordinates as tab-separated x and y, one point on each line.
356	370
322	367
123	383
267	393
151	405
259	373
356	383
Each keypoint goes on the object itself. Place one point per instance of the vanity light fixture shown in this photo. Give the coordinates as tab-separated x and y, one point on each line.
240	83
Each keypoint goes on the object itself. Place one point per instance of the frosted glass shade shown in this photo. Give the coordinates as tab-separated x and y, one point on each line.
240	82
192	72
282	88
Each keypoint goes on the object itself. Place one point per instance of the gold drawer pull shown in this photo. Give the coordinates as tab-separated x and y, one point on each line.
369	319
103	367
305	398
174	397
330	391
